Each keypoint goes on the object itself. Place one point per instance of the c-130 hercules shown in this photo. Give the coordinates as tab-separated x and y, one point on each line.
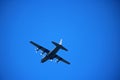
50	55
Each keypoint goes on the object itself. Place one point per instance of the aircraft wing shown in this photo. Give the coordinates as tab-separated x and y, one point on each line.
61	59
40	47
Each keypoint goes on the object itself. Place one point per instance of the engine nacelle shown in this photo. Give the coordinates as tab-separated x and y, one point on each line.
42	52
58	60
51	59
37	49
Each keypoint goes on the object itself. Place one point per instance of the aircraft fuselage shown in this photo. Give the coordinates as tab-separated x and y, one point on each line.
51	54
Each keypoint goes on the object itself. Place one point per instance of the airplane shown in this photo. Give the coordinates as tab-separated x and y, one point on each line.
50	55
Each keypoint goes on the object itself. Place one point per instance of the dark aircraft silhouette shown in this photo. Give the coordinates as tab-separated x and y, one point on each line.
50	55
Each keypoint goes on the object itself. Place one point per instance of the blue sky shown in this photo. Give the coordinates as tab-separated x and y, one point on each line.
89	29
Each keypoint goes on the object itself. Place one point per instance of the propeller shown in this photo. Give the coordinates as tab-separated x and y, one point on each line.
37	49
57	60
43	56
42	53
51	59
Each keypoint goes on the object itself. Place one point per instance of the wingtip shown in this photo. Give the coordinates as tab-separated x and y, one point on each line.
67	50
31	41
69	63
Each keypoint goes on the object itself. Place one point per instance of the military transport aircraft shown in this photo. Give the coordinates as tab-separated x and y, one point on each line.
50	55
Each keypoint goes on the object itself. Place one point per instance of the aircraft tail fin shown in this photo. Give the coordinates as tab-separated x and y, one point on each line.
60	44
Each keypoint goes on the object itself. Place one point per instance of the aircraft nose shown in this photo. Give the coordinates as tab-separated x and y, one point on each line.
42	61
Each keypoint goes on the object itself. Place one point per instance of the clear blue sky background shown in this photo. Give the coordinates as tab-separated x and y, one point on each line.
89	29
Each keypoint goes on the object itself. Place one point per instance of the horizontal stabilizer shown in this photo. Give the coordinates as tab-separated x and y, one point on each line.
56	44
63	48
